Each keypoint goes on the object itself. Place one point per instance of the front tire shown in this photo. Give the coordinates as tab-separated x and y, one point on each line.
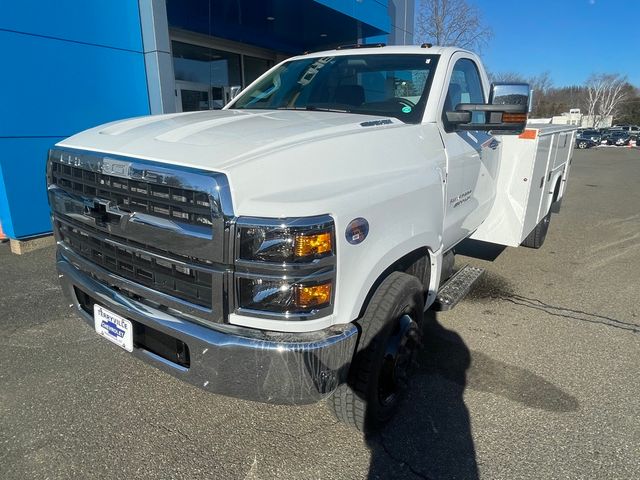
391	330
582	145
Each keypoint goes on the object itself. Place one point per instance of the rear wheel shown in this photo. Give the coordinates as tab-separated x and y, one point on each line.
582	144
391	331
536	238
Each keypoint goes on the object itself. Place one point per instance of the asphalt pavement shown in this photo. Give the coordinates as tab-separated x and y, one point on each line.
533	376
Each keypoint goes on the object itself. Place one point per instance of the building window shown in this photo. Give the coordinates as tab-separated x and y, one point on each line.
205	77
254	67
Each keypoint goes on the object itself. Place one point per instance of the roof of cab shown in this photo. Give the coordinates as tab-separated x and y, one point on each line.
372	50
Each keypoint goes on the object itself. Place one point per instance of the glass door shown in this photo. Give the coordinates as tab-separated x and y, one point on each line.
208	77
204	76
191	96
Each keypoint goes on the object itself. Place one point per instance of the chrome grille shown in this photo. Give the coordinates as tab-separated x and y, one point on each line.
130	195
165	275
158	230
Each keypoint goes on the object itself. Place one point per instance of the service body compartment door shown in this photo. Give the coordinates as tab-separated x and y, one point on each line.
538	187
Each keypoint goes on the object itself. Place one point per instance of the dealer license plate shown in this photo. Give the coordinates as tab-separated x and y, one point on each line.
113	327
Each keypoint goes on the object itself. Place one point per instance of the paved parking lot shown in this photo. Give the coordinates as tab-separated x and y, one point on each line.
535	376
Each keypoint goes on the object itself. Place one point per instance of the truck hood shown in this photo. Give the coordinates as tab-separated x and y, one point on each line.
216	140
278	163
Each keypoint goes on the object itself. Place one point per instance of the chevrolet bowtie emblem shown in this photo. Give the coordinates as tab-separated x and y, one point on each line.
100	212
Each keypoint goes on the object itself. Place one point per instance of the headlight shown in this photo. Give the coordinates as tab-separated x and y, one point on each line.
297	240
282	296
285	268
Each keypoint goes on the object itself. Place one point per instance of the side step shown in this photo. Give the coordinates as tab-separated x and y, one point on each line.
457	287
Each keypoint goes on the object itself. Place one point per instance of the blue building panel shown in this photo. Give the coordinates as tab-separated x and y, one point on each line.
370	12
67	66
58	88
110	23
283	25
24	208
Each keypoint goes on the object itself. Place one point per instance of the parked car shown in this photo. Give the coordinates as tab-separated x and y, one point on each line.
594	135
617	137
583	142
631	129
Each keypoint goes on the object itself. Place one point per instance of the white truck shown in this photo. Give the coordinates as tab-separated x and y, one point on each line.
284	249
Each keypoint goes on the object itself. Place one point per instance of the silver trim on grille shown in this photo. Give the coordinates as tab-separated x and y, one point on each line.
133	227
207	242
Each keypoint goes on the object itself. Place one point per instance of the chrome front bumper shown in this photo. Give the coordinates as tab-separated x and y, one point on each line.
271	367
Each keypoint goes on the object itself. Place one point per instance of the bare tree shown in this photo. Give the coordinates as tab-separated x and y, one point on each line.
605	94
602	95
541	83
540	87
507	77
452	22
629	112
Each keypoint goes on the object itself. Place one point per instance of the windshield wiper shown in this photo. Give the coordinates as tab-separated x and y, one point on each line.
314	108
323	109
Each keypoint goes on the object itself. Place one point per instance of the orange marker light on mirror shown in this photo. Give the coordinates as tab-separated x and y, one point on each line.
313	245
514	117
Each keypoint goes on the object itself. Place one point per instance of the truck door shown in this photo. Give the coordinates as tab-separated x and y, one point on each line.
472	157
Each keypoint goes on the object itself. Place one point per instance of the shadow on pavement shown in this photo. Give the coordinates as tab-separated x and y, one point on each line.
431	437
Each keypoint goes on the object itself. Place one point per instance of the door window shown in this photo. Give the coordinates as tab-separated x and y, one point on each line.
465	86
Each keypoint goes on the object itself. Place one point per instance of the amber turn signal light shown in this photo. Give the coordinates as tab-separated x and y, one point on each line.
313	295
514	117
313	245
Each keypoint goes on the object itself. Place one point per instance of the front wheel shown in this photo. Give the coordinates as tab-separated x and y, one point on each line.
391	330
582	145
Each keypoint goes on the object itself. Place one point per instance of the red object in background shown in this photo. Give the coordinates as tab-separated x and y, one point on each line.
3	237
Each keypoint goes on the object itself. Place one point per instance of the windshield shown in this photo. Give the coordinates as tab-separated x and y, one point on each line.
383	85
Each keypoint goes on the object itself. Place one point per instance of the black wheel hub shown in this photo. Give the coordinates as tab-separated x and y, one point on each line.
397	360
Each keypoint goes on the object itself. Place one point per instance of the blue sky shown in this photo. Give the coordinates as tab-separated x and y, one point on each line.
569	38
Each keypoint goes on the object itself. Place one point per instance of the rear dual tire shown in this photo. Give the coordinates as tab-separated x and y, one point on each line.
537	236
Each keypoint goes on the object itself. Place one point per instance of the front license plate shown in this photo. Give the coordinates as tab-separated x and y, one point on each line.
113	327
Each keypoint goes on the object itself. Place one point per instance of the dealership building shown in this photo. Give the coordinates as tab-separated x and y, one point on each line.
73	64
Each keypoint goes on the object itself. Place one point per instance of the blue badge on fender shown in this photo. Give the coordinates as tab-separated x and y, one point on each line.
357	231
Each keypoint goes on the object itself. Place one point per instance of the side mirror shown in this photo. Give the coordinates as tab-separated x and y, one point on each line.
510	94
505	113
